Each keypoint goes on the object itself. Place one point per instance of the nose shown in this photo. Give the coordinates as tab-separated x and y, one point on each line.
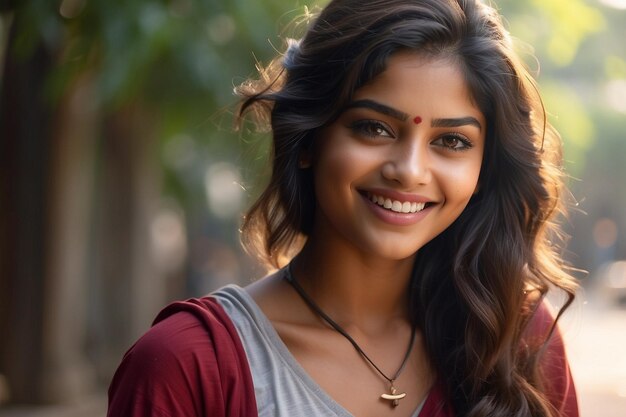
408	165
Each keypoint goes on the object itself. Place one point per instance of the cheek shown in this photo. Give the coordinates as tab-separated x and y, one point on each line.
341	165
461	181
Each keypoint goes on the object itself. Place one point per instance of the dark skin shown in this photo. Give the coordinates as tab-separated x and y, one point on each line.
331	360
357	262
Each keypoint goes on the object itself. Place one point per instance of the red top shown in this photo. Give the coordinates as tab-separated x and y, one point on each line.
185	366
193	364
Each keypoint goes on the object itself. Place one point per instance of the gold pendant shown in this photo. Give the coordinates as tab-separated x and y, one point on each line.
393	397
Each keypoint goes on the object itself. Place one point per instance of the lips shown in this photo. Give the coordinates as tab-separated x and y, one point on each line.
396	205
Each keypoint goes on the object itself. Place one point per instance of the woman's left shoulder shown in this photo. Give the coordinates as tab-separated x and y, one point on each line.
559	385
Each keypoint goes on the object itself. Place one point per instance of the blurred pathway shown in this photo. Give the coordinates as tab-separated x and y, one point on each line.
90	407
596	344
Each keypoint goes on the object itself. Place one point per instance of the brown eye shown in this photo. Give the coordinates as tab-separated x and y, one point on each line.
371	129
453	141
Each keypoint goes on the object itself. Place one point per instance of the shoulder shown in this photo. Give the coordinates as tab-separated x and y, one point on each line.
554	366
183	333
183	365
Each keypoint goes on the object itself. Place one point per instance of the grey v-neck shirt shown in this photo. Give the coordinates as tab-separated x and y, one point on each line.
282	387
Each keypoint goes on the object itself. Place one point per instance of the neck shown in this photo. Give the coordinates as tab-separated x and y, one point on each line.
355	290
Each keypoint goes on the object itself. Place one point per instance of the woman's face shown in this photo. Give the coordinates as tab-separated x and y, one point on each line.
401	162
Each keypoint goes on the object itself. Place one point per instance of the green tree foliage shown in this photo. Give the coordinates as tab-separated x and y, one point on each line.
177	51
179	59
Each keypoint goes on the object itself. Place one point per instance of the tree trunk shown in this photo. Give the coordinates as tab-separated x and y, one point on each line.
24	162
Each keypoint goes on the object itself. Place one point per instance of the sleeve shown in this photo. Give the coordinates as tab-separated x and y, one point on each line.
190	363
560	389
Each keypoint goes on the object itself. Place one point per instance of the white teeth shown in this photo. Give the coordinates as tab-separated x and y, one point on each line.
397	206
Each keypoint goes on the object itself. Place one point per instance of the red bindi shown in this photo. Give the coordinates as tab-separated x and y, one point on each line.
417	120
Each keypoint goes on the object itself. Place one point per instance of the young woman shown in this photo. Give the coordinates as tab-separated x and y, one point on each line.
409	216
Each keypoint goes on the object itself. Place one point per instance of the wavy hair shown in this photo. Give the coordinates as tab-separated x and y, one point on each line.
473	304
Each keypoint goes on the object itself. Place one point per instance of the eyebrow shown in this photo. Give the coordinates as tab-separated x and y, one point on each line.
400	115
380	108
457	122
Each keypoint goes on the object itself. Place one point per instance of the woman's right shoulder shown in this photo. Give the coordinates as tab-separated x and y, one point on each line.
197	326
183	365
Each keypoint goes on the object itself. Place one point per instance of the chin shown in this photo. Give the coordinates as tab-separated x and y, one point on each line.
391	253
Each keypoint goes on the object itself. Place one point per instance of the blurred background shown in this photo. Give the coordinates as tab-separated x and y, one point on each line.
122	182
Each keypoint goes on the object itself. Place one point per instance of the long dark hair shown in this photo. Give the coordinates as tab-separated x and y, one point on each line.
473	304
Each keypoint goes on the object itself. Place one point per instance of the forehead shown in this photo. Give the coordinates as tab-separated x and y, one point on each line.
424	86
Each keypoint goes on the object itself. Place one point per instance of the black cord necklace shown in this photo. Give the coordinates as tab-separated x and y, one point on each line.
393	394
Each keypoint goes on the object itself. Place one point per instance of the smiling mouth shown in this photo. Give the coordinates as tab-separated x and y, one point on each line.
395	205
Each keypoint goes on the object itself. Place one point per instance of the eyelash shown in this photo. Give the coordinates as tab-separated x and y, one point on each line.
365	127
465	142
